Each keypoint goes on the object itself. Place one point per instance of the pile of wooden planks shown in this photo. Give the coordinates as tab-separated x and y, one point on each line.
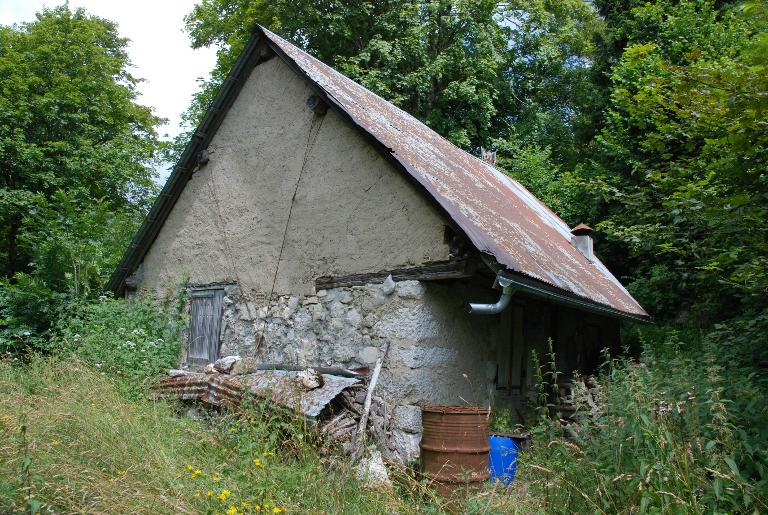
342	415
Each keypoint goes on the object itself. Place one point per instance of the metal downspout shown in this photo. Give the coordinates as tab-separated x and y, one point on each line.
506	297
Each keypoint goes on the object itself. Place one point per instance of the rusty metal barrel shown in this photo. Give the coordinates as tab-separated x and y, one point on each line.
454	446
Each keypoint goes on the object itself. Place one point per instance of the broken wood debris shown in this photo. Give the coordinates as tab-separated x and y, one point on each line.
358	440
346	412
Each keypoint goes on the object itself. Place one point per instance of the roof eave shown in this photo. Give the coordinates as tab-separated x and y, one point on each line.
539	289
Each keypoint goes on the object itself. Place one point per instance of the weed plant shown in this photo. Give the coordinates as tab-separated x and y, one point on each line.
676	432
132	340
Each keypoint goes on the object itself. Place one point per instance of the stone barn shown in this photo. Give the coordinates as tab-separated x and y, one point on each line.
312	220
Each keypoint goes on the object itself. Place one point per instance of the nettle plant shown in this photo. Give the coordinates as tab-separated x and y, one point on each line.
669	434
134	339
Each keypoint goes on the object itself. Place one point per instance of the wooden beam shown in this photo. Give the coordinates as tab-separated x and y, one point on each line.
454	269
358	440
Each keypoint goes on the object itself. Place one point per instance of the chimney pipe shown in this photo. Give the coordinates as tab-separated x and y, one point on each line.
489	156
582	240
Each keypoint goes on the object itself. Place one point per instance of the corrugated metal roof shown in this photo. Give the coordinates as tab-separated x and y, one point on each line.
496	212
282	387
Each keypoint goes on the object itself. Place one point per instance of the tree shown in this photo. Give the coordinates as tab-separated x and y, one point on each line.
549	68
68	119
75	156
682	157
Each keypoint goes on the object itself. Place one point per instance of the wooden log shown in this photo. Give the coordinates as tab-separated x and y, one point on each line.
358	439
341	433
328	426
346	426
349	404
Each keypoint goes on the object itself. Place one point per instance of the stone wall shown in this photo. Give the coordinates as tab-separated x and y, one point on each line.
438	353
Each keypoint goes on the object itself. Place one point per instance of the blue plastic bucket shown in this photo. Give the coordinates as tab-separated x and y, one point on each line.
503	458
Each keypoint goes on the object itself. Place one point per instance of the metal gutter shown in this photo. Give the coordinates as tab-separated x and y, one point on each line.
524	285
506	297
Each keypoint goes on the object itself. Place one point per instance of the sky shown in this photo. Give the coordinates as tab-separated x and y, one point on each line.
159	49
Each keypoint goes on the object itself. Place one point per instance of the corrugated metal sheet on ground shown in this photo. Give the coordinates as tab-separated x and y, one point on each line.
497	213
281	386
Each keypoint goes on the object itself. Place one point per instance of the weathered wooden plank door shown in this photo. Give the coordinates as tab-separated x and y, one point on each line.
205	326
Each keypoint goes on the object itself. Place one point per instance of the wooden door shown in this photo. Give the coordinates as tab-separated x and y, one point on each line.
205	326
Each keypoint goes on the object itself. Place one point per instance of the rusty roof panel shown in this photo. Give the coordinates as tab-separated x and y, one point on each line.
497	213
281	386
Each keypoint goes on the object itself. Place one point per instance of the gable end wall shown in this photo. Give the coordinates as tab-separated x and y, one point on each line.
352	211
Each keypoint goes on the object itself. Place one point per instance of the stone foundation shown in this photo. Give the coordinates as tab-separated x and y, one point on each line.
438	354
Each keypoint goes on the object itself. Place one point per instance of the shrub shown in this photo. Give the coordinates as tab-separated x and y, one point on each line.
27	306
132	339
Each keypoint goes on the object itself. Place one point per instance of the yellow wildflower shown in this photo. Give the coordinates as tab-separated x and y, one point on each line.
257	507
232	510
190	468
197	472
276	510
258	463
224	494
209	493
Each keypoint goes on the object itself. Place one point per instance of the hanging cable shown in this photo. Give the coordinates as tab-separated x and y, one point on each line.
227	246
311	139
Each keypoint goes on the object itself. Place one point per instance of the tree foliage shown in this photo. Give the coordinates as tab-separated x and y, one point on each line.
75	155
681	159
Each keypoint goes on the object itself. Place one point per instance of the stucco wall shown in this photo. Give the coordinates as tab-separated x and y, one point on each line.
352	211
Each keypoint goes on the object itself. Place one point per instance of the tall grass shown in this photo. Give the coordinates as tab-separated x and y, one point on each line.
678	432
91	450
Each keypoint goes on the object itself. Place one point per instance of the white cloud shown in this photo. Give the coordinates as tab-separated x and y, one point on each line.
158	49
